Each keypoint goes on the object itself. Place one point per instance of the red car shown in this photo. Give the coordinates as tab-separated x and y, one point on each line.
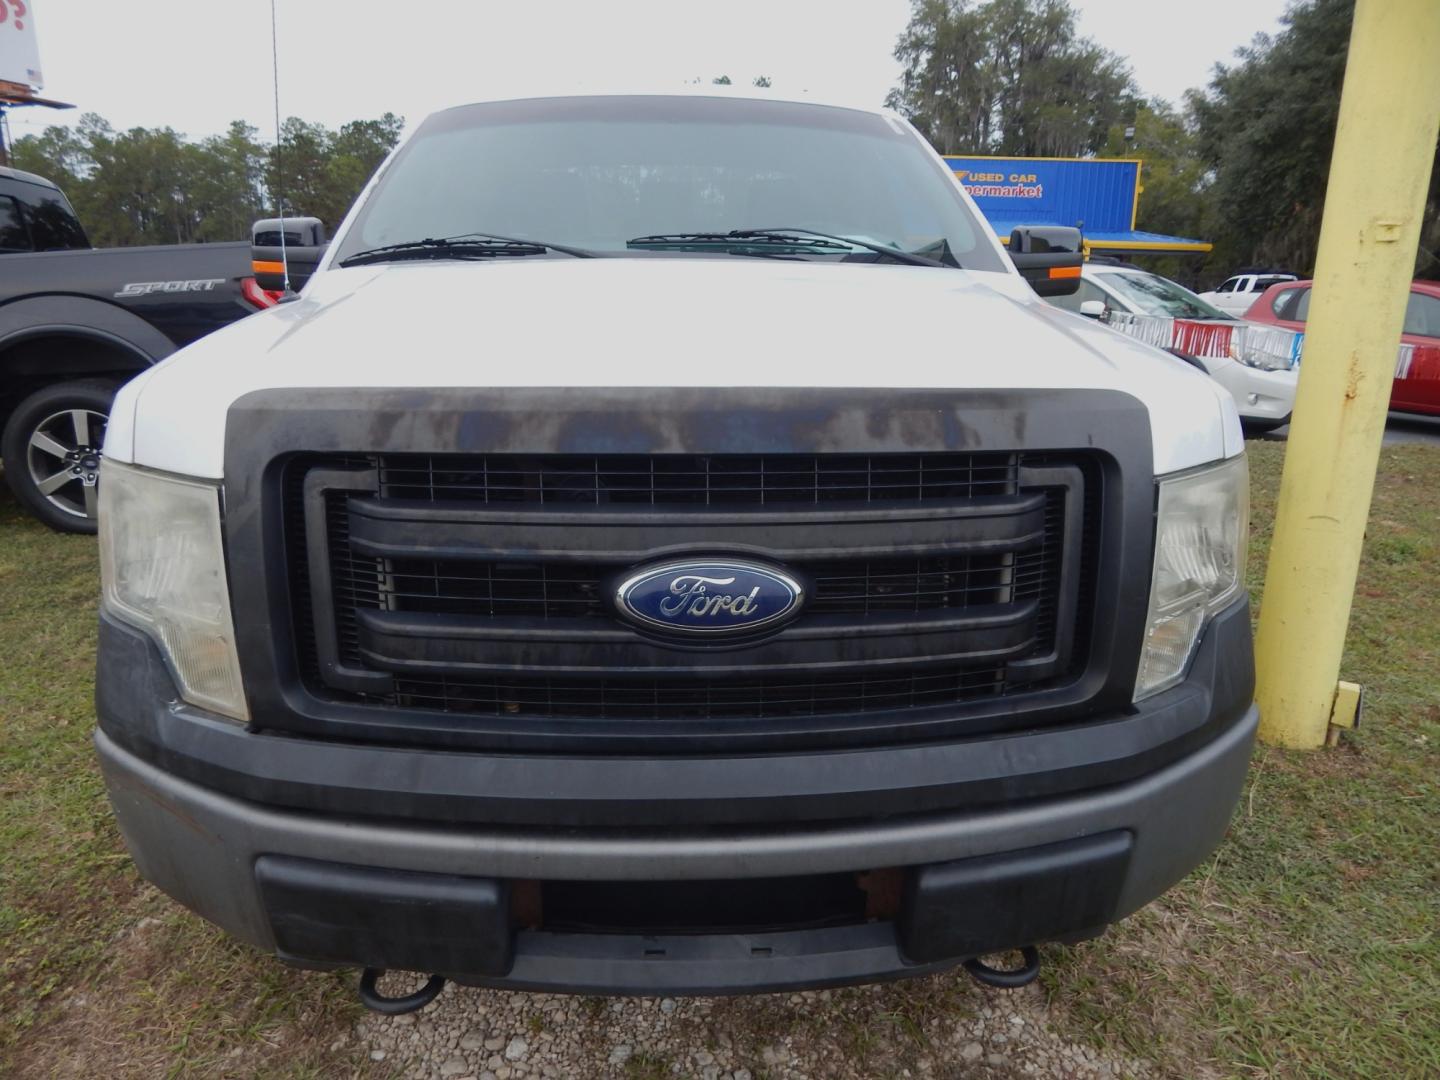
1288	304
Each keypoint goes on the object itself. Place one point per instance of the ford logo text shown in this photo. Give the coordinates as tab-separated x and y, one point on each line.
709	597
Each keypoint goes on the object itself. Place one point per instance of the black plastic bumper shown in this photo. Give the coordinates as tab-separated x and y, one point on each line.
137	708
333	854
327	912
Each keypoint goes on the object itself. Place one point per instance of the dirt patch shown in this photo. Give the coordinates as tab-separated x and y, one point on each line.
940	1026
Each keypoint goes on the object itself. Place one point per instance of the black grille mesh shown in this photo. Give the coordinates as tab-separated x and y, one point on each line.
696	480
568	590
698	699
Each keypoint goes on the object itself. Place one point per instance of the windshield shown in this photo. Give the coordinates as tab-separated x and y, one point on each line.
1155	295
596	172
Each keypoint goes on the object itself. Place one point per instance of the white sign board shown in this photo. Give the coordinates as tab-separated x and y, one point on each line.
19	54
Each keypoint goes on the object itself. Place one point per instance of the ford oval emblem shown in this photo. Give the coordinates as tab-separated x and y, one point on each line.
709	597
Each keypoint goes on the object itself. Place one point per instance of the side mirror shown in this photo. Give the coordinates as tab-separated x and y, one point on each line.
1094	309
304	245
1049	257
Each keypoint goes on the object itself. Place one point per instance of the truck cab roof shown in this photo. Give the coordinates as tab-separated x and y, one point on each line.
735	92
7	173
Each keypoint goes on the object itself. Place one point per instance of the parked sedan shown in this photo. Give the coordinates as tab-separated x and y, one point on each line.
1263	397
1288	304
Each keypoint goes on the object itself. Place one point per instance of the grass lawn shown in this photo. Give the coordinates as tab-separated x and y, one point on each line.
100	975
1307	947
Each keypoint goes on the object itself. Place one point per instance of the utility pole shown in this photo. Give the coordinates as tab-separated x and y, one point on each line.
1379	174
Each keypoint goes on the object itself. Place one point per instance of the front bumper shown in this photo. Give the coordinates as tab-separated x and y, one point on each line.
1038	836
1260	395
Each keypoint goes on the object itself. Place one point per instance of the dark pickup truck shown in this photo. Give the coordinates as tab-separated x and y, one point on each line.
76	322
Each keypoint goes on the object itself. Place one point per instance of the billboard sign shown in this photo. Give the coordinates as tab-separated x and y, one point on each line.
19	53
1093	194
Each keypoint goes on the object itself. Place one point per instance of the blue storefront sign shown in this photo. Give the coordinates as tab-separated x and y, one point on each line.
1099	196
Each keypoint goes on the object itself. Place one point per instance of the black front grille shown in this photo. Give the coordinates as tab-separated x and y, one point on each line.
704	699
546	590
657	685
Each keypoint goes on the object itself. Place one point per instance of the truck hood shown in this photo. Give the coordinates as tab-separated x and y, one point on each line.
658	322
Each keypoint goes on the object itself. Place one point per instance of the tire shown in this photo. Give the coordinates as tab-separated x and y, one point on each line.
51	450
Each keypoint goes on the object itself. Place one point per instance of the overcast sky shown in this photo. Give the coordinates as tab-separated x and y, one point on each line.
195	65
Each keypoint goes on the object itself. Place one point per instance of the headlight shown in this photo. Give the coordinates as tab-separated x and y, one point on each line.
162	568
1269	348
1265	361
1202	528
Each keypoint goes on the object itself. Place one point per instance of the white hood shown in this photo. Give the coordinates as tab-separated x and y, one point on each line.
658	322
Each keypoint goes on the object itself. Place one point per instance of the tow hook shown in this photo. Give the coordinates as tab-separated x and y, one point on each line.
1006	979
394	1006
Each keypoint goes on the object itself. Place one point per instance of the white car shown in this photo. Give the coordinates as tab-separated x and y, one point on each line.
1264	398
1237	293
632	564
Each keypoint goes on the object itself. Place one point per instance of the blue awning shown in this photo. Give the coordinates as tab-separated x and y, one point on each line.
1122	240
1136	240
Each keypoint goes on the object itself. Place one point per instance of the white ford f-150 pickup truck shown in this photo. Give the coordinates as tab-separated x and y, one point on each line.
668	546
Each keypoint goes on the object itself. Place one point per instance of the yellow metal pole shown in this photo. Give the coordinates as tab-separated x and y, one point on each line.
1379	172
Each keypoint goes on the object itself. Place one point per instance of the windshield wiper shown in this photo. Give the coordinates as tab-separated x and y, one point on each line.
738	238
789	236
472	245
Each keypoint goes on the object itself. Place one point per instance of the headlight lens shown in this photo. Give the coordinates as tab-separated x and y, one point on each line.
1202	529
1269	348
1265	361
162	568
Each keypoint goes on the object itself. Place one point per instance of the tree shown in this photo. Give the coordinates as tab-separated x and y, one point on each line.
154	186
354	153
295	174
135	185
1172	177
228	183
761	81
1266	128
1008	77
57	153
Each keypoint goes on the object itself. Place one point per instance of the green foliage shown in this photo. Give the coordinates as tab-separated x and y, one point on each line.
1173	170
1266	126
1008	77
761	81
1245	164
320	172
154	186
1172	179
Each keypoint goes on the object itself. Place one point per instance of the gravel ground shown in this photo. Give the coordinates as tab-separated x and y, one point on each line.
941	1026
